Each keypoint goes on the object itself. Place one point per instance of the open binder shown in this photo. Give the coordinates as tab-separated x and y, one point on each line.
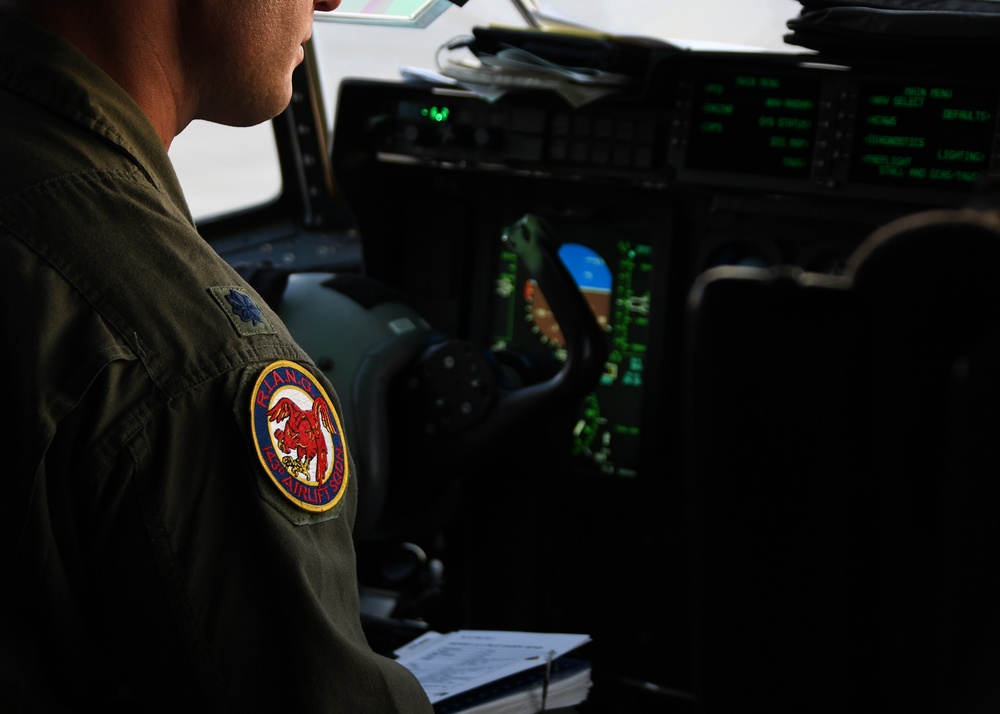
498	672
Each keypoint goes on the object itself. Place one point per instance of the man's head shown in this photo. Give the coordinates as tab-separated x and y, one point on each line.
226	61
239	54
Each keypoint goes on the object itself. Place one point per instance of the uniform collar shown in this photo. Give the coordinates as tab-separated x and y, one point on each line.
47	70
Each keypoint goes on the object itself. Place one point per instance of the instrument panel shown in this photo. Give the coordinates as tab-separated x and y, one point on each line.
721	158
823	128
614	272
742	120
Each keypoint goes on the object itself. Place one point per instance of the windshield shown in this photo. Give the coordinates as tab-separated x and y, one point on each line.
351	50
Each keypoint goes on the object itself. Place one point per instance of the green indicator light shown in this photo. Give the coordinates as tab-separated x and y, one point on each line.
437	114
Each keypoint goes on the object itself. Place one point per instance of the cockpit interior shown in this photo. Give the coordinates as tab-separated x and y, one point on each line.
690	350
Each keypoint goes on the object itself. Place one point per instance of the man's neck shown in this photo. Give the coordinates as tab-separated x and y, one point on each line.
135	43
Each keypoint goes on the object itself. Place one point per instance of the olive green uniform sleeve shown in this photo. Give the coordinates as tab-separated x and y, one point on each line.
263	611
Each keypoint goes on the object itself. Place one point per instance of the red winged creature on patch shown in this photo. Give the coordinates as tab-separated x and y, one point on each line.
303	434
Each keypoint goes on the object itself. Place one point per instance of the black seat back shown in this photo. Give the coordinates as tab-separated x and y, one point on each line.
837	475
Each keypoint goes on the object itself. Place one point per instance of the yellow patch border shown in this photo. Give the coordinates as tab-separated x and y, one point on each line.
286	374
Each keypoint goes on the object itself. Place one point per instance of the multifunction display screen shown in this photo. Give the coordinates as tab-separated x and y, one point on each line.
933	135
613	270
760	123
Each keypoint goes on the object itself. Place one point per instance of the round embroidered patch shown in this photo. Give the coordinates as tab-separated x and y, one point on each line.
298	437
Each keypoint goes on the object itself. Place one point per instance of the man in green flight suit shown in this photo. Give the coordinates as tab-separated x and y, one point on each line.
179	489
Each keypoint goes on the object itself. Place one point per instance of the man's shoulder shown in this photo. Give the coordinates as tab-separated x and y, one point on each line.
38	146
61	114
133	259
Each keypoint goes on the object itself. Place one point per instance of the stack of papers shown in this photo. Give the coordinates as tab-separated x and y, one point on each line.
492	77
581	67
498	672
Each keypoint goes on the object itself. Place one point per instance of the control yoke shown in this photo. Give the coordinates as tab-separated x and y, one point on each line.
455	388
